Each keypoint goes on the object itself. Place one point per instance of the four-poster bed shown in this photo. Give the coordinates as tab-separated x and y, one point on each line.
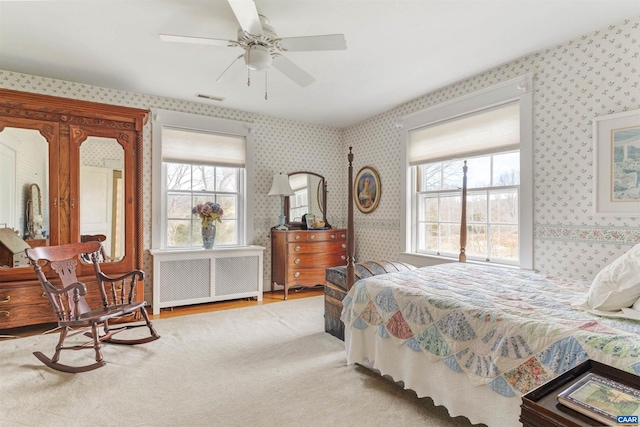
474	337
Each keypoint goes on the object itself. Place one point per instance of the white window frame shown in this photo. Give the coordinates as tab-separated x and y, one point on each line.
487	191
519	89
187	121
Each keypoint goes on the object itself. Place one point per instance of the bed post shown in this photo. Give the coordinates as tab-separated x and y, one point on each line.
463	220
351	274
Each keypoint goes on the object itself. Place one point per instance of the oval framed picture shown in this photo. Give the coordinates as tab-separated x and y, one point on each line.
367	189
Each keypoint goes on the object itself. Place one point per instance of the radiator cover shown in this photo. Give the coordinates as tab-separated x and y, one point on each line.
198	276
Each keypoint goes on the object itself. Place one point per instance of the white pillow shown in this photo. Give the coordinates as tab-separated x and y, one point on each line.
617	286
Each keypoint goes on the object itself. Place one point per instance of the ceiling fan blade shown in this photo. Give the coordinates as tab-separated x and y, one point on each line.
196	40
247	16
292	71
309	43
232	70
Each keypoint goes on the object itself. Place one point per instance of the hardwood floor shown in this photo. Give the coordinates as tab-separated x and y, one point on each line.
267	298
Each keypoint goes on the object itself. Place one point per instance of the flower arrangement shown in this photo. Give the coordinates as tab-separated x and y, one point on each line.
208	212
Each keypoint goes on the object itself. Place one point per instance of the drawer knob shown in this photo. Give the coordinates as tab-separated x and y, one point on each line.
344	245
313	237
333	236
296	274
7	299
297	248
343	257
297	237
4	313
297	261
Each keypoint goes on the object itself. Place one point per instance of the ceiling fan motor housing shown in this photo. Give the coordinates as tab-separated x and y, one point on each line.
258	48
257	57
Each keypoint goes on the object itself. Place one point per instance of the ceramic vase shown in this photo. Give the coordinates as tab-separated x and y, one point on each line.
209	235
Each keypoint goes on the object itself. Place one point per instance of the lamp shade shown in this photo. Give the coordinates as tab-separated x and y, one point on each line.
257	57
280	186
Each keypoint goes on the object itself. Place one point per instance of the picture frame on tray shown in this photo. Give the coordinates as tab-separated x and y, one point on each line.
602	399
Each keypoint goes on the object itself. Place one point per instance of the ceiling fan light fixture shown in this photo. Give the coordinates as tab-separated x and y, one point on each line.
258	57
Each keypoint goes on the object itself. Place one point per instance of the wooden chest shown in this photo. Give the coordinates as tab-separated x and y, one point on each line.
300	257
335	289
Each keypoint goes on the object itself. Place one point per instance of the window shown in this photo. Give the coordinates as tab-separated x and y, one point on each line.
492	207
299	203
491	130
199	159
188	185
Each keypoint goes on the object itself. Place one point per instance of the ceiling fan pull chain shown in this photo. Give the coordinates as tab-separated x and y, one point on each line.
265	85
249	69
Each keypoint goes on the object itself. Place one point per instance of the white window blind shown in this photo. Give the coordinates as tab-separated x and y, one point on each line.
496	129
298	181
191	146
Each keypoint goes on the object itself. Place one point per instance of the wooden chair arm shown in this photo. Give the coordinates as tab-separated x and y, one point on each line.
62	305
82	288
115	295
132	273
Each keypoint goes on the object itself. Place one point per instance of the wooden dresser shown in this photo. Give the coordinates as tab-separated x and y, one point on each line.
300	257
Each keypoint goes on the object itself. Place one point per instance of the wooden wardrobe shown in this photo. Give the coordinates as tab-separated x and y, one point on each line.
71	130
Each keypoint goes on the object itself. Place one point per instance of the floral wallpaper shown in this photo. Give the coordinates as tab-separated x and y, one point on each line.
594	75
280	146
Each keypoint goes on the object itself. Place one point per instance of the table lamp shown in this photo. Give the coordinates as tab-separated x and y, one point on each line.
281	187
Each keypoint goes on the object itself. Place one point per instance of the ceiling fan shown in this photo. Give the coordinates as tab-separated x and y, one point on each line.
263	48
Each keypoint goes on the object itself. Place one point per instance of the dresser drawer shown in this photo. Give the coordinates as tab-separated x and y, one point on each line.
26	314
306	276
326	247
325	235
37	309
316	260
316	235
11	297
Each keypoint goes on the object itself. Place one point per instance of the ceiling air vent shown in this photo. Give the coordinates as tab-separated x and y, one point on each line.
210	97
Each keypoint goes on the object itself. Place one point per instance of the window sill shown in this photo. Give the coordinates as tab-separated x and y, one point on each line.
424	260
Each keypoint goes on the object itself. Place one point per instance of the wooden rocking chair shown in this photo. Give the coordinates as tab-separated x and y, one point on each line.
72	310
97	238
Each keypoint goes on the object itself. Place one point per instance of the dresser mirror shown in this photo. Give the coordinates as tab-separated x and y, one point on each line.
102	195
310	197
35	221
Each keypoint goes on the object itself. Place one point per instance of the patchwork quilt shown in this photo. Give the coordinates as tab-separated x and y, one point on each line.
506	329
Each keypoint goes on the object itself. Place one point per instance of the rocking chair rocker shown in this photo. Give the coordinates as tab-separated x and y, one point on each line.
73	311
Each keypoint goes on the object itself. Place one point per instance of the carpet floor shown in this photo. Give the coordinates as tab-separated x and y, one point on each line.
266	365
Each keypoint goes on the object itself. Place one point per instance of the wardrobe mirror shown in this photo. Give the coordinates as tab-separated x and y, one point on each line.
24	173
102	195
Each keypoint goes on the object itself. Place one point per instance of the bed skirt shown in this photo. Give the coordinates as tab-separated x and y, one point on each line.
446	387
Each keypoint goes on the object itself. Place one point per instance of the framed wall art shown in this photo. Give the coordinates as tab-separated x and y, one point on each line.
616	163
367	189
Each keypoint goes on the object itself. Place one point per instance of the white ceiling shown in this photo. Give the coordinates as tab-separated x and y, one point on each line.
397	50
